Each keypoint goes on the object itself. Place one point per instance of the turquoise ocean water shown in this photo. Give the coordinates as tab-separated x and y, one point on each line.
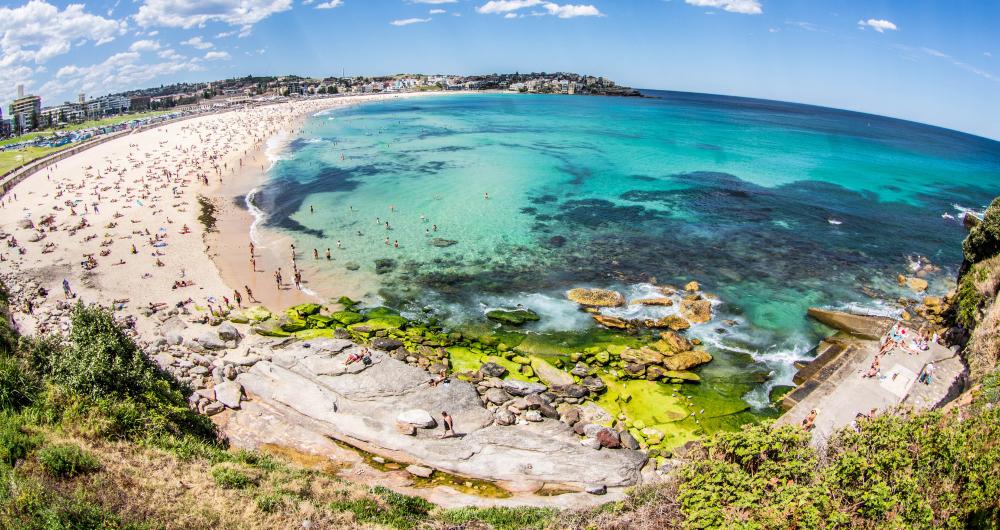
773	207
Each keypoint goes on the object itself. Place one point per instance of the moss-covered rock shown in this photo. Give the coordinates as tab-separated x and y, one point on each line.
270	328
292	322
516	317
347	317
304	310
320	321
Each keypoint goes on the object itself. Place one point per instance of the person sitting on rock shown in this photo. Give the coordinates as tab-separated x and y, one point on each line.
809	422
359	356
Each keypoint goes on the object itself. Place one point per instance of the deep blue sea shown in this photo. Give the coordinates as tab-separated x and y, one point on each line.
773	207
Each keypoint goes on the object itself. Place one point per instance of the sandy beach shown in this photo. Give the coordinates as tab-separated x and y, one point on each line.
120	222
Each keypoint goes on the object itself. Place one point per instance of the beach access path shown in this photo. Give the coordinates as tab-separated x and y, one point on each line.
840	396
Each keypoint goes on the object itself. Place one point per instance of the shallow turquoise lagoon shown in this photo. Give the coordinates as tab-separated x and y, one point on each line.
773	207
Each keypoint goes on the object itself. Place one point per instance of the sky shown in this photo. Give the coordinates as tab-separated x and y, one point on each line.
931	61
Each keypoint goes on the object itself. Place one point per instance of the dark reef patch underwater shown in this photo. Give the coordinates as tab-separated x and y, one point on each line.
772	207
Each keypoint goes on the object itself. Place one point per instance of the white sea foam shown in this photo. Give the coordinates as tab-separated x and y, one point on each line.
556	313
963	211
258	215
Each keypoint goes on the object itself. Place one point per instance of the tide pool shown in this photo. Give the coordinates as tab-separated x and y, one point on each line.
773	207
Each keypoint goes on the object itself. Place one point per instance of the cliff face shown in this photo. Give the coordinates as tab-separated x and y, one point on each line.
976	307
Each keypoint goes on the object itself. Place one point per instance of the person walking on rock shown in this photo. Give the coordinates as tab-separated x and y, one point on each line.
449	425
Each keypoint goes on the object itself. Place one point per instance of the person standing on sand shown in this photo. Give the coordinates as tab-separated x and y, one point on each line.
238	298
249	293
328	254
66	290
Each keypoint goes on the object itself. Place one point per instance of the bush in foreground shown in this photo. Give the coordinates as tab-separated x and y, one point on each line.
66	460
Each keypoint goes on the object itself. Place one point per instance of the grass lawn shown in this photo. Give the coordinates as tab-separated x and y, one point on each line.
85	125
12	159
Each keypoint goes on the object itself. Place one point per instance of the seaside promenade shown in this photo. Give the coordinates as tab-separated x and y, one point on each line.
839	392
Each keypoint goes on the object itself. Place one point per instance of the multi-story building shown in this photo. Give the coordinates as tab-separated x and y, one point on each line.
25	111
65	113
107	105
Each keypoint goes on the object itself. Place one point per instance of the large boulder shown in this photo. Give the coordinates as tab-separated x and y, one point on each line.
697	311
862	326
515	387
686	360
386	343
210	341
418	418
596	297
229	393
673	322
492	369
642	356
611	322
550	375
514	317
497	396
347	317
228	332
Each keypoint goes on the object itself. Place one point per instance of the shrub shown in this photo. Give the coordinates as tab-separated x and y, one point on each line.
501	517
395	509
102	360
19	385
270	502
983	240
15	442
230	478
66	460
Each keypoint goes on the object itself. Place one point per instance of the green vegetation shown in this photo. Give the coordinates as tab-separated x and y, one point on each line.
983	240
386	507
501	518
231	478
66	460
15	158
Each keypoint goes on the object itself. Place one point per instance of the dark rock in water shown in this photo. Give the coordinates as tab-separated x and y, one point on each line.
441	242
384	265
492	370
515	317
386	344
556	242
351	266
778	392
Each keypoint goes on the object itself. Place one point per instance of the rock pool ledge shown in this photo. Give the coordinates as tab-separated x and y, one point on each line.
309	386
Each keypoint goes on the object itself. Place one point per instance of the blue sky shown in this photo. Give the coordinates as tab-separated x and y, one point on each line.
931	61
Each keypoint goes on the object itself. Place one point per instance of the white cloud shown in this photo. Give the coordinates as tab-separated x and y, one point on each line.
225	34
408	21
198	43
118	72
744	7
963	65
169	53
509	7
437	11
987	54
494	7
191	13
330	5
216	56
510	15
144	46
879	25
433	2
572	11
39	31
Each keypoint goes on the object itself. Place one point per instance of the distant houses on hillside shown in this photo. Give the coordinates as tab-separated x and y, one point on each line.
26	114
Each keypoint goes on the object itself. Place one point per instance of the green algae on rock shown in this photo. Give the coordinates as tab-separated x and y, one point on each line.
515	317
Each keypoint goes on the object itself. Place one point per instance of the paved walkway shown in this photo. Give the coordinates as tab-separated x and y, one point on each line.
844	393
